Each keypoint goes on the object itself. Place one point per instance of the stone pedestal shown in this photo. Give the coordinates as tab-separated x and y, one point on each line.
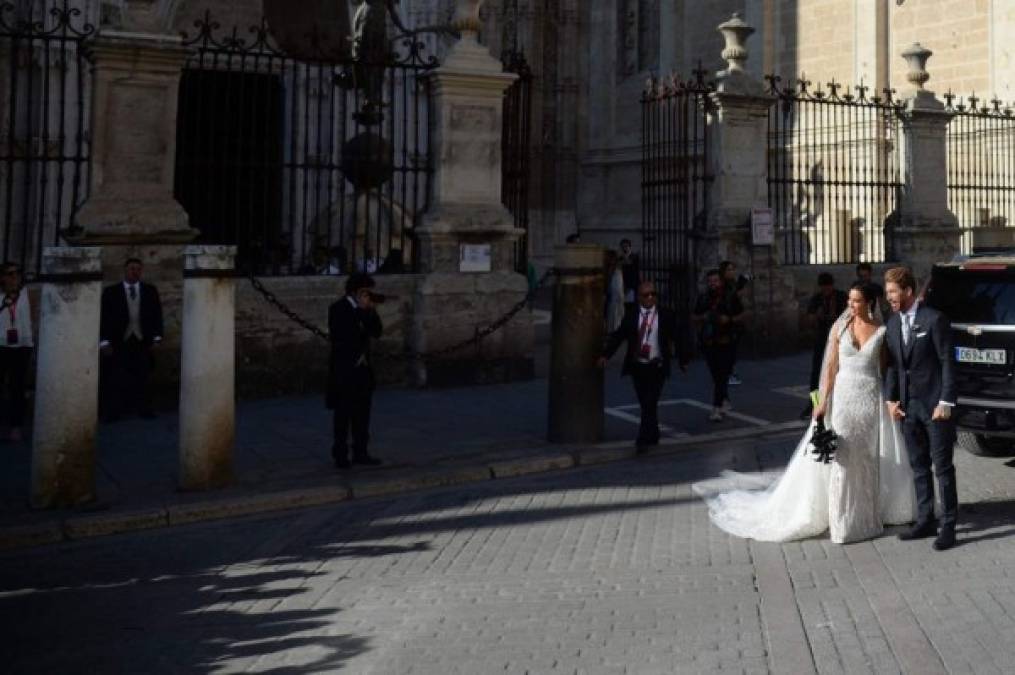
738	155
134	104
67	378
576	383
467	238
207	378
923	230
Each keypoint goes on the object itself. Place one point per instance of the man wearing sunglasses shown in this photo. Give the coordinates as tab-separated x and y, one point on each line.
650	332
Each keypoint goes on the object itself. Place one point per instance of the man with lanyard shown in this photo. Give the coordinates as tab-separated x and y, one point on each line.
649	331
717	315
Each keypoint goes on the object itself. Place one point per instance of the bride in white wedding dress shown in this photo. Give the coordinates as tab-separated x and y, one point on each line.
869	482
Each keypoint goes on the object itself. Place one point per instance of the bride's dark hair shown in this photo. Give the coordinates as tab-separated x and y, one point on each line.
870	294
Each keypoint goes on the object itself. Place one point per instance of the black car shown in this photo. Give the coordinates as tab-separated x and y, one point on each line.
977	294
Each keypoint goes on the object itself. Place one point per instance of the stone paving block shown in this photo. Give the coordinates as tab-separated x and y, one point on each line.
79	527
36	534
530	465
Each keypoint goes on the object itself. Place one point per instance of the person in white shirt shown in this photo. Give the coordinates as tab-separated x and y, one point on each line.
130	330
15	349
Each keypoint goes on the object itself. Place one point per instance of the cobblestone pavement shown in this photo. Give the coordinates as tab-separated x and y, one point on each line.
613	569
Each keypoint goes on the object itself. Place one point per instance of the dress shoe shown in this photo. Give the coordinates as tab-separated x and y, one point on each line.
920	531
945	540
366	460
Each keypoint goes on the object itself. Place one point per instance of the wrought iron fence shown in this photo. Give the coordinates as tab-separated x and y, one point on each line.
516	150
45	91
309	167
833	171
675	183
981	165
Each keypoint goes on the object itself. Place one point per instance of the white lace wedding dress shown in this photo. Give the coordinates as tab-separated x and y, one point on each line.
869	482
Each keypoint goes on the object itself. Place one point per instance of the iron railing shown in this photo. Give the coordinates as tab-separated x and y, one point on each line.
675	183
45	89
308	167
516	150
981	165
834	176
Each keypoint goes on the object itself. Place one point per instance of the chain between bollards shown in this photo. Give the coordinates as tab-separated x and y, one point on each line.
478	337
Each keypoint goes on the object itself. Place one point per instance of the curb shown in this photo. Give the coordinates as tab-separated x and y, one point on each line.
77	527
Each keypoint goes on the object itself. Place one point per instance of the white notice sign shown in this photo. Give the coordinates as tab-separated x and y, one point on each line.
762	227
474	258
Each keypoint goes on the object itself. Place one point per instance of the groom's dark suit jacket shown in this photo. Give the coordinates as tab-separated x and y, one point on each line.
920	373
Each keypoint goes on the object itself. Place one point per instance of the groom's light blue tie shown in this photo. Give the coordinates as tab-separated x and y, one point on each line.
906	328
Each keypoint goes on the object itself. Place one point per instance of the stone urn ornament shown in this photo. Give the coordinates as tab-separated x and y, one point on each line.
466	17
311	30
916	56
735	32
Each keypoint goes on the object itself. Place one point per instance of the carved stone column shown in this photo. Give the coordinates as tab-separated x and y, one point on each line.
738	160
467	237
924	230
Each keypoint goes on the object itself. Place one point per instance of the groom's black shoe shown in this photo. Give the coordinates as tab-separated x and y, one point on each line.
945	540
921	531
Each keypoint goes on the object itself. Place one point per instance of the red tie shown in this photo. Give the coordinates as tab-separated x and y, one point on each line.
643	331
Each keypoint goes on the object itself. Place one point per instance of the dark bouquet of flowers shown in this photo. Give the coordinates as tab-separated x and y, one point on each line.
823	442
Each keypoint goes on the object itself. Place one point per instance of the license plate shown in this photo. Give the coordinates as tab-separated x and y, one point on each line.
994	357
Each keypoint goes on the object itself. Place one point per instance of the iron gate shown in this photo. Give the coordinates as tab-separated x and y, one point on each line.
308	167
981	165
675	183
833	171
515	150
45	89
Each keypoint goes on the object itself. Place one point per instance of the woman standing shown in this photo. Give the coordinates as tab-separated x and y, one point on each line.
15	349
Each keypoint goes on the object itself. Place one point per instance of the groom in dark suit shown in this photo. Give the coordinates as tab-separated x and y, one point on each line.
650	332
920	392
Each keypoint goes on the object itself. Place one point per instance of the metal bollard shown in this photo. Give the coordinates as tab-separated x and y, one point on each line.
576	383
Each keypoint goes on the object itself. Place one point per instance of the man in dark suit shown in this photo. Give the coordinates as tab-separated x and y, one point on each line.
352	322
130	327
920	392
650	332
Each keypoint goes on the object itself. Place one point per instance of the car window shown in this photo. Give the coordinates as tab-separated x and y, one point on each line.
974	297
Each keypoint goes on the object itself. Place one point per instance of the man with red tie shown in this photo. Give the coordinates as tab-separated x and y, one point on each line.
651	333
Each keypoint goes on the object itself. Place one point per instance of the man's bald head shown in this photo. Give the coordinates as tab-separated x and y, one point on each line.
647	294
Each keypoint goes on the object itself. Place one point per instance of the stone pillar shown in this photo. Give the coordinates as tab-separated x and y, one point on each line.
207	377
738	160
576	383
131	210
467	237
67	378
923	230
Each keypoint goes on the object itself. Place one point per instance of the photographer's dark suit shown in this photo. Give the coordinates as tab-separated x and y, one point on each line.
648	375
919	376
125	371
351	376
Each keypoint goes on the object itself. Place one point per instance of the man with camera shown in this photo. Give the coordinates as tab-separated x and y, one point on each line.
718	315
352	323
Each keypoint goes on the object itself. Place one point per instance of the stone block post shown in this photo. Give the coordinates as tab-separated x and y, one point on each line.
207	377
67	378
738	161
466	240
576	383
923	230
131	211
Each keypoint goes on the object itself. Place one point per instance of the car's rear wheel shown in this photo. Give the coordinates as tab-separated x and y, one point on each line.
987	446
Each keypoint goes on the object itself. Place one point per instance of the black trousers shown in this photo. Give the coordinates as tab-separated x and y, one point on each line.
931	446
125	379
13	374
817	356
352	413
648	385
720	364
